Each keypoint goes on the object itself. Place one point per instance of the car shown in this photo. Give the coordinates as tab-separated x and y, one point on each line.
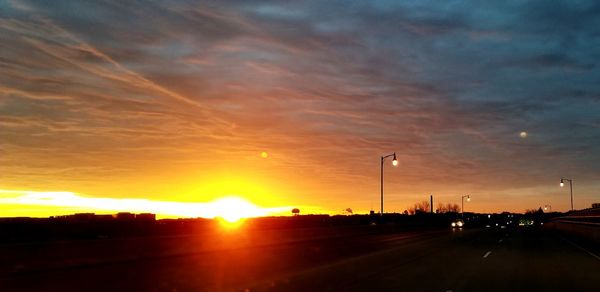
457	223
526	222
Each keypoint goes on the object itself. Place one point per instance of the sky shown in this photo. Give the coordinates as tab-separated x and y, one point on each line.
293	103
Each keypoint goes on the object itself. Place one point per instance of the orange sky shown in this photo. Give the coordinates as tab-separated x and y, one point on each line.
176	103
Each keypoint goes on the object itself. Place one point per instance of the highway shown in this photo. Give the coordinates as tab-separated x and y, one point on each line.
489	259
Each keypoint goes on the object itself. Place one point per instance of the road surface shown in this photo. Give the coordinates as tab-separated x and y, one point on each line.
490	259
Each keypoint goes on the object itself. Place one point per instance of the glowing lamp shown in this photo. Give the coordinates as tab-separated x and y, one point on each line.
395	161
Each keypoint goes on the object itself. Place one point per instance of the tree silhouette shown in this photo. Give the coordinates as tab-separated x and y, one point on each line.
420	207
448	208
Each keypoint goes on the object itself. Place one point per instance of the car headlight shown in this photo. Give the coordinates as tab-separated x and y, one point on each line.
453	224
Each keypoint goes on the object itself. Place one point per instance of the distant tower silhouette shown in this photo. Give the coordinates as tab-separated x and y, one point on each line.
431	204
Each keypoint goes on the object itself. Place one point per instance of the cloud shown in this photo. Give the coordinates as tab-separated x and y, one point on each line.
325	87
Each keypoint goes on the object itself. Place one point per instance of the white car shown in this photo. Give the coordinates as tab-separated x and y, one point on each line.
457	223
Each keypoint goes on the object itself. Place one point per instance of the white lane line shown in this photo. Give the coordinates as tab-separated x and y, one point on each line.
583	249
487	254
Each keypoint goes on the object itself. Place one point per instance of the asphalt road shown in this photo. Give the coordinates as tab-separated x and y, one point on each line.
490	259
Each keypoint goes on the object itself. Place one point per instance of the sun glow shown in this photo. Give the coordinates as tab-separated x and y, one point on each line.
229	208
232	209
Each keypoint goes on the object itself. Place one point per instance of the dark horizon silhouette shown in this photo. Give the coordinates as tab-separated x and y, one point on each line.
299	253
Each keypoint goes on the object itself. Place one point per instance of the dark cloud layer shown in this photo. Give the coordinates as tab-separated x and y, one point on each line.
97	91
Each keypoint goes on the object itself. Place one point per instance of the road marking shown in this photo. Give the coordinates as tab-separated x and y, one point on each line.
500	241
487	254
583	249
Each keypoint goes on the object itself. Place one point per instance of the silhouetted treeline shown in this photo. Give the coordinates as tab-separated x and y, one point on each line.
85	226
90	226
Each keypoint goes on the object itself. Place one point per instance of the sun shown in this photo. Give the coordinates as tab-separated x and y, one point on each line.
232	209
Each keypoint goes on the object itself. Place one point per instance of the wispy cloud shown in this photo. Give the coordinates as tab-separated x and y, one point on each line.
175	91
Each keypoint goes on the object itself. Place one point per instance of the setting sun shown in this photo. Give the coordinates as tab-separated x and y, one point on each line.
232	209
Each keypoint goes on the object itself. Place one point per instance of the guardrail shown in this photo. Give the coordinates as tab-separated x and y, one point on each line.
576	227
580	216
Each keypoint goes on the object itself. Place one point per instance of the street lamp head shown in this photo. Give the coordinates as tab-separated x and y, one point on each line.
562	184
468	198
395	161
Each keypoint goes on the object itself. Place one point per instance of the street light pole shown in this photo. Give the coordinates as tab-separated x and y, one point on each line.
462	202
394	163
562	184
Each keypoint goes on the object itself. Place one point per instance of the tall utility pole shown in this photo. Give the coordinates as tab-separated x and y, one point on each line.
431	207
381	184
